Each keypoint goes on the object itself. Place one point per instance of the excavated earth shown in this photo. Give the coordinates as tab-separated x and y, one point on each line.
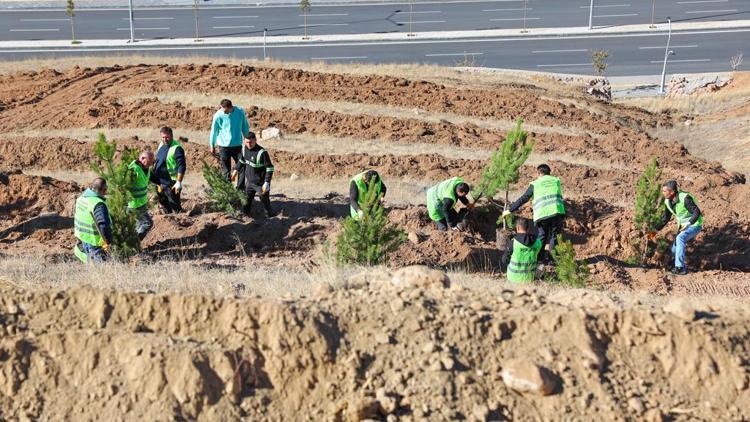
597	149
388	346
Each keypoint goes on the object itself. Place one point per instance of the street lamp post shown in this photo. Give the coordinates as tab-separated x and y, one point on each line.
265	30
591	15
653	12
667	53
130	14
524	17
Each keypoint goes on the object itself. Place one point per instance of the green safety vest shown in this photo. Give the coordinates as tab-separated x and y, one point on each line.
85	228
140	186
547	200
362	190
681	213
522	264
436	194
171	162
81	255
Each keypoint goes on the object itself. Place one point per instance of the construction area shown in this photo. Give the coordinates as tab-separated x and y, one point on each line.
225	317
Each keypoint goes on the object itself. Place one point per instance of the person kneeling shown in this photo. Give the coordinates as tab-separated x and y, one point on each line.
519	261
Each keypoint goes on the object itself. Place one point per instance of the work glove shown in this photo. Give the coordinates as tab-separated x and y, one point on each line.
651	235
455	229
235	173
266	188
177	187
506	213
105	246
159	189
361	214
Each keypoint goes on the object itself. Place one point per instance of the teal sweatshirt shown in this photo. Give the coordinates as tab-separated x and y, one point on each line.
227	130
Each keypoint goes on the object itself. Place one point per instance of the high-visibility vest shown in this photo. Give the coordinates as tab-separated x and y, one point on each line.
362	192
547	200
81	255
522	264
681	213
139	191
436	195
85	228
258	163
171	162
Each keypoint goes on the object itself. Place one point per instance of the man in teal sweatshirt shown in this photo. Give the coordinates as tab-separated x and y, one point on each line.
228	128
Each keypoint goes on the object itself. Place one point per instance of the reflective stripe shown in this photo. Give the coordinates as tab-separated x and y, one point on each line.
546	200
84	224
522	264
86	229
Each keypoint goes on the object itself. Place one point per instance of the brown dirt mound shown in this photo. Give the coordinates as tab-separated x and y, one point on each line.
25	196
372	352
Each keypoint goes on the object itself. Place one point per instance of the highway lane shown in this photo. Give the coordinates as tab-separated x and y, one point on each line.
178	22
633	54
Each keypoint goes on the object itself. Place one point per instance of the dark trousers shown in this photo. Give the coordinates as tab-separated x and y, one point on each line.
265	199
226	155
169	200
458	217
547	231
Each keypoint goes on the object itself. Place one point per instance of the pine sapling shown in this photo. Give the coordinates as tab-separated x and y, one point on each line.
119	182
369	240
221	193
648	209
502	171
568	271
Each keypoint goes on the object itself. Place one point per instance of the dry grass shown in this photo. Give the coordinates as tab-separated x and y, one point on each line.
197	99
476	77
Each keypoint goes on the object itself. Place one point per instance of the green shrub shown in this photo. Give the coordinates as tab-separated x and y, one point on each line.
569	272
649	208
369	240
221	193
119	181
502	170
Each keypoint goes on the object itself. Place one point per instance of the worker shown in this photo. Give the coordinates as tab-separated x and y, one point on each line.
255	164
358	188
138	205
93	224
684	208
546	198
228	128
169	171
519	261
441	200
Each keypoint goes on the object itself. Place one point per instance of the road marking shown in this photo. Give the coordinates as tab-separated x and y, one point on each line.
452	54
35	30
421	11
234	27
407	22
702	1
563	65
234	17
338	58
605	5
145	29
507	10
559	51
325	14
661	47
43	20
694	12
324	24
513	19
148	19
616	16
682	61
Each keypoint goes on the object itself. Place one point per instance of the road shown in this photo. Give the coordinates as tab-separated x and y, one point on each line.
179	22
630	54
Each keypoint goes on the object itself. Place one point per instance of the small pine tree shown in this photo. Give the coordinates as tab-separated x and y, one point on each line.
305	7
70	10
221	193
119	182
502	171
648	209
369	240
569	272
598	60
